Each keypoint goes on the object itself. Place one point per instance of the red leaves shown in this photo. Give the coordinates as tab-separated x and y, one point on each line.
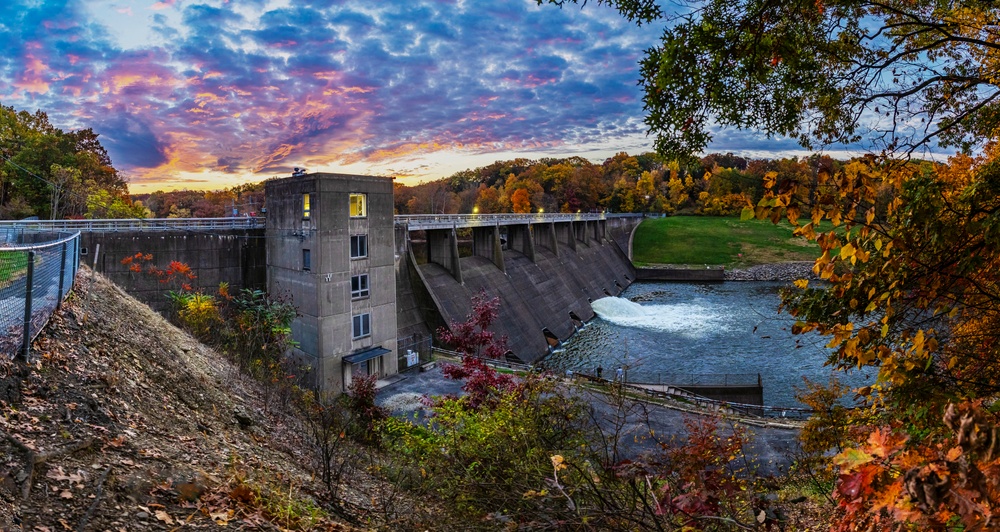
177	272
926	483
472	339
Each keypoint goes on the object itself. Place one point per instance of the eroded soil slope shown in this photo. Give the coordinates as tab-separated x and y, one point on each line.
124	422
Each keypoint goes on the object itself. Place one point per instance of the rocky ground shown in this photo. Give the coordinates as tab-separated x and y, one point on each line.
121	421
781	271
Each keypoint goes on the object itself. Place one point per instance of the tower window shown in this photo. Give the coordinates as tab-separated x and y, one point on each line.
359	246
362	326
359	286
359	206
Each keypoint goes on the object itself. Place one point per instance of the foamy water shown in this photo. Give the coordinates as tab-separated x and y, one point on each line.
690	320
698	329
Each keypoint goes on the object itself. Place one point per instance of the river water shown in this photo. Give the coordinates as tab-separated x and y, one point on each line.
657	329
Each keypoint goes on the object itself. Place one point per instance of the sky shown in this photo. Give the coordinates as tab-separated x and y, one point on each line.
209	94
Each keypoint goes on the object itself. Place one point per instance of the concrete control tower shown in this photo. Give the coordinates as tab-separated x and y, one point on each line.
330	249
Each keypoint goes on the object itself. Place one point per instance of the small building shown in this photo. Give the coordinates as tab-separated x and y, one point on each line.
330	250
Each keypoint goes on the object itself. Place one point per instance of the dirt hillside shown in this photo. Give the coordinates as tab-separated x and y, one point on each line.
123	422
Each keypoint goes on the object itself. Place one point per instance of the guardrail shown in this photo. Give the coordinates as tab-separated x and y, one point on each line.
785	412
418	222
37	270
135	224
415	222
495	362
707	379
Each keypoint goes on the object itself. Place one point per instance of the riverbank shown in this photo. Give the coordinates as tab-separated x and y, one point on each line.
779	271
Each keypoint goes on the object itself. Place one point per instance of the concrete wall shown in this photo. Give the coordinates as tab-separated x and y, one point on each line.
535	295
684	275
233	256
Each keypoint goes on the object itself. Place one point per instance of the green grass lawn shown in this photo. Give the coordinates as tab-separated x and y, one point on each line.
12	264
717	241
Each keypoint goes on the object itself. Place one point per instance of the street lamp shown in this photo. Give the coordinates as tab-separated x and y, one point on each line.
475	209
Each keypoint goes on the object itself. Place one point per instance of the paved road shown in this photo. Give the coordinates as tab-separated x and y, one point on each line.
772	445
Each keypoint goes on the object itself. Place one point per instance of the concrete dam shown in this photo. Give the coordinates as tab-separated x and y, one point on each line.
545	273
546	269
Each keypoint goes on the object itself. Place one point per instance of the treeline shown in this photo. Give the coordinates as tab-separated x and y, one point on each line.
53	174
717	184
242	200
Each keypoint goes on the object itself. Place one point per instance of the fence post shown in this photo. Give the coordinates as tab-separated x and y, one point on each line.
26	336
62	275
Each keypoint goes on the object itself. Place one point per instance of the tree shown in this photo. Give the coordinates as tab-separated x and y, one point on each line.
488	200
476	343
49	172
911	71
911	261
63	181
520	201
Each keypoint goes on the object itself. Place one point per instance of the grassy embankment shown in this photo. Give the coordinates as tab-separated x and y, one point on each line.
721	241
12	265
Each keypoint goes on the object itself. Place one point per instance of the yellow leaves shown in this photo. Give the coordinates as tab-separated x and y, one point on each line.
806	231
851	459
881	443
847	251
817	216
827	271
769	179
793	214
557	462
801	283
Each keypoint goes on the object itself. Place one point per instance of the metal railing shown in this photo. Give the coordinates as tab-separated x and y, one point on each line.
37	270
725	407
135	224
494	362
417	222
707	379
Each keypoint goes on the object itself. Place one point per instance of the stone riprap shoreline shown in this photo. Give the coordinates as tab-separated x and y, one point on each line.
782	271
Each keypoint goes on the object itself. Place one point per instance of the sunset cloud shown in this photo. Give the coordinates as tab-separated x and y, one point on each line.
213	93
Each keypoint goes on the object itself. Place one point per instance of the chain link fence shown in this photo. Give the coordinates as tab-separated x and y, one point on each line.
37	269
413	350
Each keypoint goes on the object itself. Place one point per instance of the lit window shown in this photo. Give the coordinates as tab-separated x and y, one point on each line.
362	326
306	260
305	207
359	286
358	206
359	246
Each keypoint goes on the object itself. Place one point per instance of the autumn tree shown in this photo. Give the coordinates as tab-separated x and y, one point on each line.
48	172
898	74
521	201
477	344
913	292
